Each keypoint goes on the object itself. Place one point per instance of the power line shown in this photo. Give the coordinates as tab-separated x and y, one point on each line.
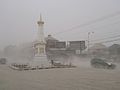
91	22
107	41
110	33
106	38
115	23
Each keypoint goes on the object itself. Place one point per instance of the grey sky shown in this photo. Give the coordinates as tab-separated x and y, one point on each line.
18	19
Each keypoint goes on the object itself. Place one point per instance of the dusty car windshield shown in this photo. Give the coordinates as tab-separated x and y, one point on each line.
59	44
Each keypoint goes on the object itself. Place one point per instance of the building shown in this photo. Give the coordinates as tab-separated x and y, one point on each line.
50	42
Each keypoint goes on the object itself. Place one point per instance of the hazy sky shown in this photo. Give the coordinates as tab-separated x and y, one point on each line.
18	19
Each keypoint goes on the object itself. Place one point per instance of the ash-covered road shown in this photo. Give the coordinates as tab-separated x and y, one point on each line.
81	78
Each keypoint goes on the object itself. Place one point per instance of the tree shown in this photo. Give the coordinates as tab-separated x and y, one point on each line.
114	49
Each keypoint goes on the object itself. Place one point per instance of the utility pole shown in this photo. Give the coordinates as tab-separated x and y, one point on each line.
89	33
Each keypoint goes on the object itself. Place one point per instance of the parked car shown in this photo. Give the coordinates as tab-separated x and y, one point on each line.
100	63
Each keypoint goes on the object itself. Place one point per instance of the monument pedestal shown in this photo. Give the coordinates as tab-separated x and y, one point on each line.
40	62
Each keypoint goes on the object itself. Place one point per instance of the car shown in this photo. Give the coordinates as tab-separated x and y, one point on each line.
3	60
100	63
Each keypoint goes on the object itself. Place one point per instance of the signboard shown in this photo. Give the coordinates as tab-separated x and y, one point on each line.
60	45
50	44
77	45
56	44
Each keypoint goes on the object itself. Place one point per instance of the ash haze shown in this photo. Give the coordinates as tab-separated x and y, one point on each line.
18	19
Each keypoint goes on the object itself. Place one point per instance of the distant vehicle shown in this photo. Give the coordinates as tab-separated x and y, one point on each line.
3	60
100	63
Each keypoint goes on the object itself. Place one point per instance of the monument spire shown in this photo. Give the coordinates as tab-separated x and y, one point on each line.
40	29
40	17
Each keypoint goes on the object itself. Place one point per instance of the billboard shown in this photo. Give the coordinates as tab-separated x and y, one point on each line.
56	44
77	45
60	44
50	44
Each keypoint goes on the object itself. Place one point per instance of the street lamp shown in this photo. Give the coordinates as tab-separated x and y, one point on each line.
89	33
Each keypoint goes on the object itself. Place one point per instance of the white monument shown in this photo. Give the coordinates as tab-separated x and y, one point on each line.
40	58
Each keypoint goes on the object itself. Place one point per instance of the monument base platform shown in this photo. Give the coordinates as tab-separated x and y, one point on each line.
40	62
